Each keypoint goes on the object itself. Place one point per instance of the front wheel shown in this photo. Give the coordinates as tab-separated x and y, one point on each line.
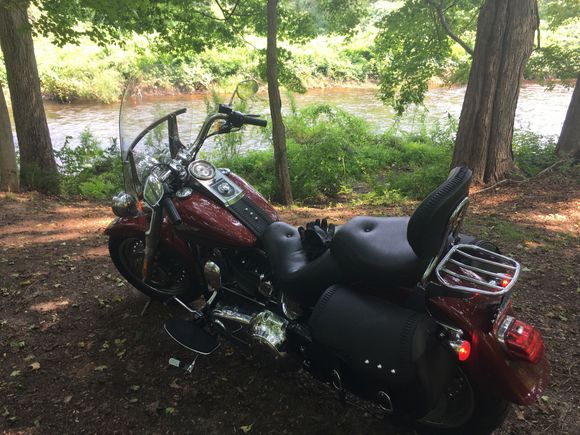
171	276
465	409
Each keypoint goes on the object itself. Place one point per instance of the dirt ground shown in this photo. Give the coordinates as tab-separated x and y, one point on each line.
77	357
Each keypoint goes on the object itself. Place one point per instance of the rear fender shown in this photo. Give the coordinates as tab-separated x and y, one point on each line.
136	226
488	365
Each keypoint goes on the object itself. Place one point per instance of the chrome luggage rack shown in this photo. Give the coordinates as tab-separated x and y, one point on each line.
472	269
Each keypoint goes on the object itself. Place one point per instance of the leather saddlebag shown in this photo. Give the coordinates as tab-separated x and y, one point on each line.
377	346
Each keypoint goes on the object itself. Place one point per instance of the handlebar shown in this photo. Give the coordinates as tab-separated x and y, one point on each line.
225	113
255	120
237	119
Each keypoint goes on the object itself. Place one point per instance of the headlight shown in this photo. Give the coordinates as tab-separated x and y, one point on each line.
124	205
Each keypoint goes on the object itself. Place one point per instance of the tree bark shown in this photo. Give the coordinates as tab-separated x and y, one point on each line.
8	168
504	42
278	130
38	169
569	141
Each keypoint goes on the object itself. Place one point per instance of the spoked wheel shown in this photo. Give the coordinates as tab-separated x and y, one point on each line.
464	409
170	275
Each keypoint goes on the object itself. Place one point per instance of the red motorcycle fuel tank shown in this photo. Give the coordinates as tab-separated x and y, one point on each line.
207	222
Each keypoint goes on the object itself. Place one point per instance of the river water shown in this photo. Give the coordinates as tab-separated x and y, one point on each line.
539	110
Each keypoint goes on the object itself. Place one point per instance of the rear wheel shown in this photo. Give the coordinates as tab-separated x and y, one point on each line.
464	409
171	276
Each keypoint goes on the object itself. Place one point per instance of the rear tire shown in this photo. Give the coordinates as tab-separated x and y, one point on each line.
465	409
171	276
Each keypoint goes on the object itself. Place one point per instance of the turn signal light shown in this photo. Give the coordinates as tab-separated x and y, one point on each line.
462	348
522	341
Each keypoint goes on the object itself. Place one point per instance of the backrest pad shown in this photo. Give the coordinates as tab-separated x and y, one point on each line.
427	228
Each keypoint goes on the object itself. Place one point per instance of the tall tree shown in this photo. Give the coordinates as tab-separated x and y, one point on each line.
37	165
416	40
278	129
569	141
561	62
8	169
504	42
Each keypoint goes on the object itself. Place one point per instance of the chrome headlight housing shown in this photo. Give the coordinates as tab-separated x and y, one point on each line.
124	205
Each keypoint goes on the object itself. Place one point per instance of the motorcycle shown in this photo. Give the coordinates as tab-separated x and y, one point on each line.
406	313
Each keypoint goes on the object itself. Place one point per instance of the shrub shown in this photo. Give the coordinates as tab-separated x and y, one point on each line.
89	170
533	152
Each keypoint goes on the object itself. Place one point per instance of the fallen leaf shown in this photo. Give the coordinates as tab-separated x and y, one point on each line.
101	368
135	387
545	398
170	411
15	373
35	365
67	399
133	400
520	414
246	429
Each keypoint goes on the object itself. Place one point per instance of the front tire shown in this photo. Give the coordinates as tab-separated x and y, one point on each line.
171	276
465	409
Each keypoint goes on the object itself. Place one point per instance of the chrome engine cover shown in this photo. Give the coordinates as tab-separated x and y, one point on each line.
270	329
265	327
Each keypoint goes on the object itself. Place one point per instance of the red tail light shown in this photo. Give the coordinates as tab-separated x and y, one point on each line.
522	341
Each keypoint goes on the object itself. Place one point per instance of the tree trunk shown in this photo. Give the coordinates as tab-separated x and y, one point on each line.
278	131
504	41
37	165
569	142
8	169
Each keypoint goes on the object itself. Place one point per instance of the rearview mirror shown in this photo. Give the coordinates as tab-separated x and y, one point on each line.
245	90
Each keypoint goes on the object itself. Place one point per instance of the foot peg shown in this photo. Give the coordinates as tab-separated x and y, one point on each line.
191	336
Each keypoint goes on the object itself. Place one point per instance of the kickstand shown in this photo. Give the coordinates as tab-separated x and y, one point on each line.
189	368
146	307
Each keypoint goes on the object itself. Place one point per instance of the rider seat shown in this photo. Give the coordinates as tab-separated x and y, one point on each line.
385	252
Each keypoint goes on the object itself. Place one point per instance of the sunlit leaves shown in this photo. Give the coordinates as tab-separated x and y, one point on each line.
412	47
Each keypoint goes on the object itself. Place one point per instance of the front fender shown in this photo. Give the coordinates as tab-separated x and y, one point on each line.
136	226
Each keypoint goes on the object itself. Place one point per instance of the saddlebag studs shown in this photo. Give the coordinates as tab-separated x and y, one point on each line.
384	402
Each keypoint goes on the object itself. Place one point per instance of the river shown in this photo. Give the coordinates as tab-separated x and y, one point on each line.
538	110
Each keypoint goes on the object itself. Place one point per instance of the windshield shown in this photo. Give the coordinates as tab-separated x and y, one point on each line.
142	152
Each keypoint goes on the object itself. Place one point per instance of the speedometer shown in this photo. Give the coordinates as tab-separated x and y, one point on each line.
202	170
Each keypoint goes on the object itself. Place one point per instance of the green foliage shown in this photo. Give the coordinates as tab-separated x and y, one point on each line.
332	156
559	12
95	73
332	153
88	170
413	47
533	152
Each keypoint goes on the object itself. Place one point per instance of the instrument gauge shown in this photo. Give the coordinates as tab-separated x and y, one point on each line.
202	170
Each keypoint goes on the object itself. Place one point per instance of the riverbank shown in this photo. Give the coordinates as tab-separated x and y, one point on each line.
77	354
333	156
